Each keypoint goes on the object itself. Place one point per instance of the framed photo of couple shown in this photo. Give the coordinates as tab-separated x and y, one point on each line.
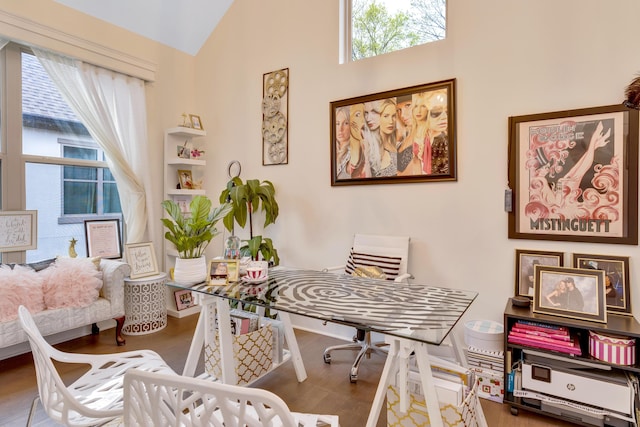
574	175
570	292
398	136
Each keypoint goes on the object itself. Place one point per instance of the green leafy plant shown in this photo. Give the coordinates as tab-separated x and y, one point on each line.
246	198
192	233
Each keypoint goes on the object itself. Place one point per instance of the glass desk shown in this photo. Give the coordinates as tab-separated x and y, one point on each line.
409	315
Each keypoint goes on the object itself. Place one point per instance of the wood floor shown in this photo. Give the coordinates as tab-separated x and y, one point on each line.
327	389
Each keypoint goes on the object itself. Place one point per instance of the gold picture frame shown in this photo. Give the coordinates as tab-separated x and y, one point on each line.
196	122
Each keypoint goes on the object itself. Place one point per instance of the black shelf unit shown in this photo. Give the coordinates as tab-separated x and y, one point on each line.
617	324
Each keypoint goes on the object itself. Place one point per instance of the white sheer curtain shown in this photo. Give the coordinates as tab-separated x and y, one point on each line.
113	108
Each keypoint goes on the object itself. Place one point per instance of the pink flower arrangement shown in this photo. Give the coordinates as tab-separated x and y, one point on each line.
196	153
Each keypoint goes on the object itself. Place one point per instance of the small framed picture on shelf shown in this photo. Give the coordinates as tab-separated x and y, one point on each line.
186	179
196	123
183	152
526	260
570	292
184	299
616	279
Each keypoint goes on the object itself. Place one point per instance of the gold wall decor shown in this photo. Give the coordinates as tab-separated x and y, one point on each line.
275	111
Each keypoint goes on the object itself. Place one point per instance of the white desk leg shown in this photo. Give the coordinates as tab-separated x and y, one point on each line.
390	367
458	349
292	343
429	389
225	341
197	343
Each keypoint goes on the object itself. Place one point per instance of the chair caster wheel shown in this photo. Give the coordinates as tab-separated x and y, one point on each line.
327	358
353	378
514	411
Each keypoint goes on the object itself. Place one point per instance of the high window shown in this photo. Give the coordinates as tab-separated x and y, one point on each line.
375	27
57	168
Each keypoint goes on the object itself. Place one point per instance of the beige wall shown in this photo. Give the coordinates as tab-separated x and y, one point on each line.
509	58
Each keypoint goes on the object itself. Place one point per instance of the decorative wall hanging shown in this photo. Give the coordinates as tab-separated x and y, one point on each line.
403	135
18	230
574	175
275	112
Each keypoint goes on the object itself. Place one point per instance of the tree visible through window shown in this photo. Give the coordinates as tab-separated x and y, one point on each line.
382	26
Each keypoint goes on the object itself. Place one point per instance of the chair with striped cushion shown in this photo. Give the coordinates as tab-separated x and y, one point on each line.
387	253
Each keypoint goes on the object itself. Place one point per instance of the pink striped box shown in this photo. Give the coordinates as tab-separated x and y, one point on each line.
612	349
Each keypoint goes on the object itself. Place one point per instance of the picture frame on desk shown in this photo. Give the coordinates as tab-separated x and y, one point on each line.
526	260
570	292
223	271
617	283
184	299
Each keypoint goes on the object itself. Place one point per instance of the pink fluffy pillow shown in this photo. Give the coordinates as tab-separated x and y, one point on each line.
71	282
20	286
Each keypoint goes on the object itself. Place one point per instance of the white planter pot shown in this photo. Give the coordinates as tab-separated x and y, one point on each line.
190	271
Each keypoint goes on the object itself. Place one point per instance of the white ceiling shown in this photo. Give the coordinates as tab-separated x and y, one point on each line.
182	24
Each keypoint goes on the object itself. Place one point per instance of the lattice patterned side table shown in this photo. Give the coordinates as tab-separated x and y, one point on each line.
144	305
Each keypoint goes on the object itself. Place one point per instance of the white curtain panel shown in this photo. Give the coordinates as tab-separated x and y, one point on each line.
113	108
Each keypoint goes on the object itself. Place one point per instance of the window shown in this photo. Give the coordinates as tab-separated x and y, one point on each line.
375	27
62	173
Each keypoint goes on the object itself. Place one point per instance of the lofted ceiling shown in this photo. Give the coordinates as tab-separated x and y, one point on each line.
182	24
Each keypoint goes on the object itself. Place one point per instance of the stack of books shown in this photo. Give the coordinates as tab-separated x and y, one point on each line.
544	336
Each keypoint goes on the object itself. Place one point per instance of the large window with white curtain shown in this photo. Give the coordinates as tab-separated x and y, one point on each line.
55	166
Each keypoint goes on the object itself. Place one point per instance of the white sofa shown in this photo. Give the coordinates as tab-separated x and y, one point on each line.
109	305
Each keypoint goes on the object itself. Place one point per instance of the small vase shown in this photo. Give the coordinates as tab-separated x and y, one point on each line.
189	271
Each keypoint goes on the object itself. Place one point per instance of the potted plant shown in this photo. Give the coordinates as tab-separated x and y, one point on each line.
246	198
191	234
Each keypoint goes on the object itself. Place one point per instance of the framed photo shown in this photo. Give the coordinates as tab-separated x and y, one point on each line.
570	292
275	121
399	136
617	286
183	152
186	179
196	123
223	271
141	257
574	175
526	261
184	299
18	230
103	238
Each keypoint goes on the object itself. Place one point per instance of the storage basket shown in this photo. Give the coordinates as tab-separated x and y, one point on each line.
468	414
253	355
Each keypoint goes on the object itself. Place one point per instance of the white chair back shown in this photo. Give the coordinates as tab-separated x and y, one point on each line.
376	244
153	399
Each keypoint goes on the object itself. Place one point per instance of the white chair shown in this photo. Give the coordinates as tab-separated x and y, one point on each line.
97	396
390	254
154	399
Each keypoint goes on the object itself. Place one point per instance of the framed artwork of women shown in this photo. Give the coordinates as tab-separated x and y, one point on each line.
399	136
574	175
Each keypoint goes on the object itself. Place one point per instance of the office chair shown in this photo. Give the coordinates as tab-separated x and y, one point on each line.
390	254
154	399
97	396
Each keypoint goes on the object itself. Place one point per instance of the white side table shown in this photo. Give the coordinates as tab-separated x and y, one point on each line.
144	305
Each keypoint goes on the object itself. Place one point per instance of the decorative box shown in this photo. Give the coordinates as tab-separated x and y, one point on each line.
253	355
490	384
484	335
612	349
